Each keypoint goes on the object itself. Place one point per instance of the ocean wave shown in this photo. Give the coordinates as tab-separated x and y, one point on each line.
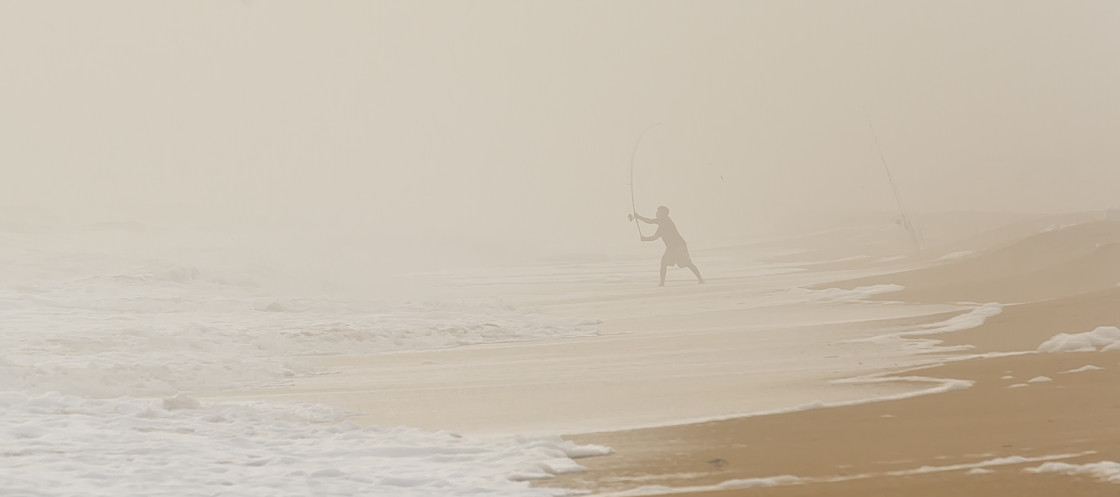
164	351
111	331
101	321
180	446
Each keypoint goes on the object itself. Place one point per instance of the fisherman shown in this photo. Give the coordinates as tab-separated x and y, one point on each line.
676	250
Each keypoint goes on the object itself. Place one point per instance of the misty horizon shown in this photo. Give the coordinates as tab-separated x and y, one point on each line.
510	126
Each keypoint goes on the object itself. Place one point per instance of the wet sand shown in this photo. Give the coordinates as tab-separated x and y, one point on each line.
874	449
676	364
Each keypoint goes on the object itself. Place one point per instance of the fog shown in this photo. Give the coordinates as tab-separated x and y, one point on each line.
507	128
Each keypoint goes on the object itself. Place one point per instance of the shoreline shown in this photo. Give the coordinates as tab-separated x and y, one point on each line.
874	447
746	387
1018	421
639	372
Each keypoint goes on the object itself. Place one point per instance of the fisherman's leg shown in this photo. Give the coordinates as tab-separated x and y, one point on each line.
696	272
665	263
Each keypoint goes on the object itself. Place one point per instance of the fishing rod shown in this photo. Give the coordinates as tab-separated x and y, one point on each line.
633	154
894	187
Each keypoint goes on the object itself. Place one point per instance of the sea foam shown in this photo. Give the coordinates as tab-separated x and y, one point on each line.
108	334
1102	338
68	445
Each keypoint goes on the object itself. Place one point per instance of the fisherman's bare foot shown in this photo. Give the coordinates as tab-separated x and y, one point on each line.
661	284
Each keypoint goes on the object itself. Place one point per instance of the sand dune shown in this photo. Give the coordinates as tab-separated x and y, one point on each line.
944	236
861	244
978	232
1076	259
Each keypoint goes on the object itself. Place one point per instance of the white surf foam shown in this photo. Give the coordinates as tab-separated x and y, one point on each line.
772	481
893	258
737	484
843	295
975	317
955	255
1108	471
1082	369
1102	338
939	385
58	444
971	319
999	461
103	345
979	467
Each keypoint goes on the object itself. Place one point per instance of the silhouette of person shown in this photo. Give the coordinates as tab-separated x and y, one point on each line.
676	250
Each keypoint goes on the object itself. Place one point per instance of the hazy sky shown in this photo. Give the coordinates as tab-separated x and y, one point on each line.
513	122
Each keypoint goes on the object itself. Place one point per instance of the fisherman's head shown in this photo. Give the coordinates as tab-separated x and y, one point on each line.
662	212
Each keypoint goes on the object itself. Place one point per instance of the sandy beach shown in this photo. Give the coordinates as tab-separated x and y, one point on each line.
735	345
898	373
912	374
1029	423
